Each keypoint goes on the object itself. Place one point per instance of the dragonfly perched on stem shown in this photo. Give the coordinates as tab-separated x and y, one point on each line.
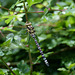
31	31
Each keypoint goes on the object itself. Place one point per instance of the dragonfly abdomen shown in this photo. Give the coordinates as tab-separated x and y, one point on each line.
39	48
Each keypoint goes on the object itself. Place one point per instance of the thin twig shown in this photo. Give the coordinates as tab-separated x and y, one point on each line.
7	66
12	26
48	10
25	12
36	12
10	10
5	8
7	27
33	11
2	33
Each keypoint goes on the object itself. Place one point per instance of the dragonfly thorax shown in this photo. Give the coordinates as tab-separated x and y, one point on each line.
30	28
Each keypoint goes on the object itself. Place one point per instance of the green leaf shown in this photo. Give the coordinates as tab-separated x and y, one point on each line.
61	69
39	57
31	2
1	53
70	21
37	73
17	9
10	35
69	1
8	29
47	54
39	6
70	43
61	4
8	18
71	65
72	30
0	5
20	4
7	43
42	37
23	67
1	72
19	16
63	73
16	72
52	44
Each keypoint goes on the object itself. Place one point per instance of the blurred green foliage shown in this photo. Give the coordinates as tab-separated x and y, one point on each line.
55	32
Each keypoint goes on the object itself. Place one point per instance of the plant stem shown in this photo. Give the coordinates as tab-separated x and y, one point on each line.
5	8
33	11
36	12
25	12
30	57
2	33
7	66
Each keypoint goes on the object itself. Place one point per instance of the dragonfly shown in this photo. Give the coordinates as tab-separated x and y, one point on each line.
31	31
